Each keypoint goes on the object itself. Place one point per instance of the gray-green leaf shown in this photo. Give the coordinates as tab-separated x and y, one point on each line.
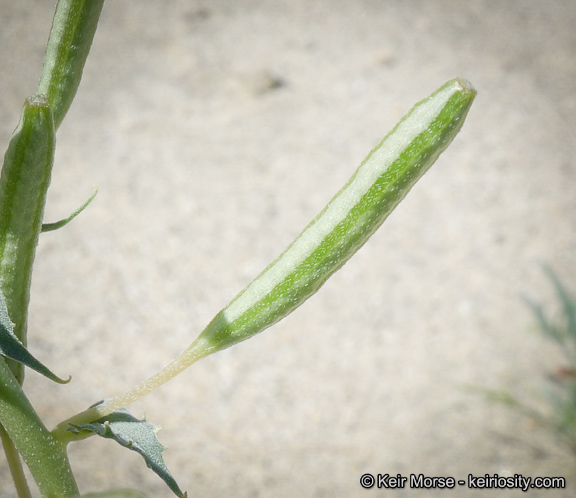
136	435
12	348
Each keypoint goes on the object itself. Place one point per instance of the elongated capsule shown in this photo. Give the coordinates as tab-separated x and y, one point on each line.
23	186
346	223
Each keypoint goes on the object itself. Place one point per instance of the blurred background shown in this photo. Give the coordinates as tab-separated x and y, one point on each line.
215	131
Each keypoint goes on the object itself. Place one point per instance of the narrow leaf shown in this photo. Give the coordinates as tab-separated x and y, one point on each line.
136	435
12	348
49	227
568	302
546	326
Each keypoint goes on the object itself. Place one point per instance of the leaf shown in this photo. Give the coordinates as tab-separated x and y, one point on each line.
12	348
567	300
49	227
563	330
136	435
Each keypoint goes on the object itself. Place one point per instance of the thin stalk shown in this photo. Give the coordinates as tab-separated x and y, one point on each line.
106	407
15	465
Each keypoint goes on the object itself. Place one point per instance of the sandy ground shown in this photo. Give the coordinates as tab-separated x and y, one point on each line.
215	131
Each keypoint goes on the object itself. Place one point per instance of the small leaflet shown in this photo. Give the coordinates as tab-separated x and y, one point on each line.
12	348
136	435
49	227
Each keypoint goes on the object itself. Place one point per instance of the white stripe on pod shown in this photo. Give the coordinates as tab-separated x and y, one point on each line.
371	169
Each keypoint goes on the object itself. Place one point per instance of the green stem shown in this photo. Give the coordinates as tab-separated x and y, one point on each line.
73	29
23	186
45	457
15	465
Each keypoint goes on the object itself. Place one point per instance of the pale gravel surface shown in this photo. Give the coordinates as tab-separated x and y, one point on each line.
207	168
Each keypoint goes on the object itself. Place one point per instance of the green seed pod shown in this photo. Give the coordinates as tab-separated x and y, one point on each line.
346	223
23	185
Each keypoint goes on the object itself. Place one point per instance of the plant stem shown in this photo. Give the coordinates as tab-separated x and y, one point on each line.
23	185
15	465
44	456
71	36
